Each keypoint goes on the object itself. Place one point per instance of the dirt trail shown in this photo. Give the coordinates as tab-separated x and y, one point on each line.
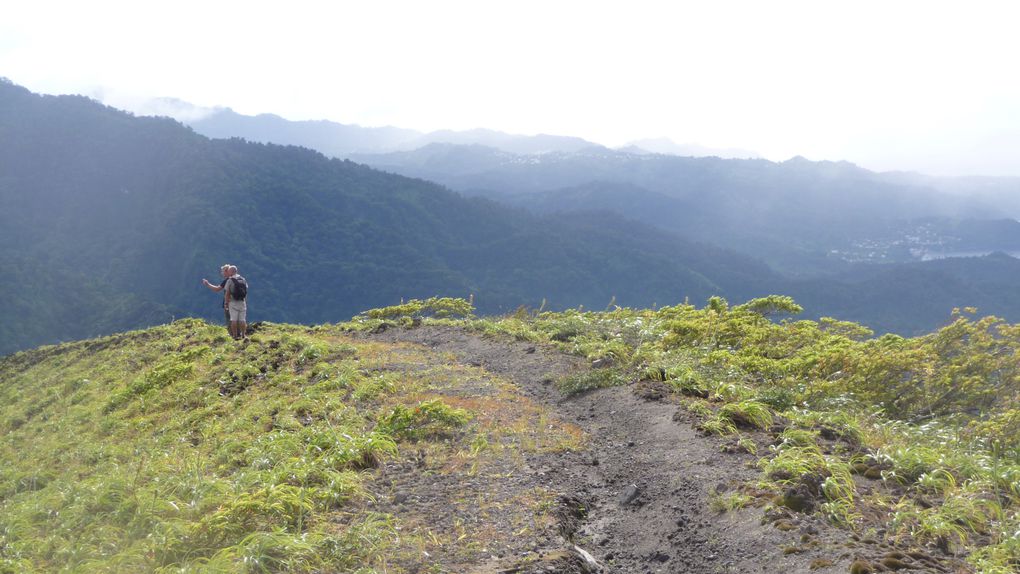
646	478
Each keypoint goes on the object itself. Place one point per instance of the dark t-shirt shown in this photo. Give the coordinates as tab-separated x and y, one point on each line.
223	285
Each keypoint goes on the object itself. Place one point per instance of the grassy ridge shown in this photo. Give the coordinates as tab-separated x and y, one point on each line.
176	449
916	440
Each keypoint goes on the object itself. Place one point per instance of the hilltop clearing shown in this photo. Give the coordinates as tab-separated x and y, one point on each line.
878	454
418	438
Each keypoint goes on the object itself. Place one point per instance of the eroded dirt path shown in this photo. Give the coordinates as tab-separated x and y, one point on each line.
645	480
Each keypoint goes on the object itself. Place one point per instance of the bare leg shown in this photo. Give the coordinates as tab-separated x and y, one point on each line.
242	329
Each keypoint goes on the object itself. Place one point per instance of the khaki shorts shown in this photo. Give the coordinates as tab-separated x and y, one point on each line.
238	311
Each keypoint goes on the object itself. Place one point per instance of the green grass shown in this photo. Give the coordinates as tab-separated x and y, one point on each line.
729	501
747	413
177	449
590	380
432	418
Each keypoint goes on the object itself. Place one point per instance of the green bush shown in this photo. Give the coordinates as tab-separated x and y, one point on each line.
438	307
426	419
748	414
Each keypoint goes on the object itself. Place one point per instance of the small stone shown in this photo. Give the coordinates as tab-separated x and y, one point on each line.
629	495
809	529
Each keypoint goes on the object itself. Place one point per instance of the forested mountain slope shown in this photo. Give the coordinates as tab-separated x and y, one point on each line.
800	216
109	221
913	298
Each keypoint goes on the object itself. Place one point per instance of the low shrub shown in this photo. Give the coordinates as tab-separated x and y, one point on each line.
590	380
427	419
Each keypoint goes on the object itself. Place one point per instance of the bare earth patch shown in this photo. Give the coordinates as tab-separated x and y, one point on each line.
629	490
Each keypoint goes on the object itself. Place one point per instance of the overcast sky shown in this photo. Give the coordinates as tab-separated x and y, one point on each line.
926	86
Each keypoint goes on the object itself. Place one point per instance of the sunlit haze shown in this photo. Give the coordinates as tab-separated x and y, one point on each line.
923	86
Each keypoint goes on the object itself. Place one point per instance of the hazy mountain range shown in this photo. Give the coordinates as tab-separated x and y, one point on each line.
342	140
667	146
108	221
801	216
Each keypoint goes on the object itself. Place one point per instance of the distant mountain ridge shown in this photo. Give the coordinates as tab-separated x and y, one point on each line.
340	140
330	138
798	215
667	146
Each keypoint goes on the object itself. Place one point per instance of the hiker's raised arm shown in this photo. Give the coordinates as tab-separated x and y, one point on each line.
212	287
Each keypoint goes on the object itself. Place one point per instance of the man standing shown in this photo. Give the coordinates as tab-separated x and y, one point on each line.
236	289
224	272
